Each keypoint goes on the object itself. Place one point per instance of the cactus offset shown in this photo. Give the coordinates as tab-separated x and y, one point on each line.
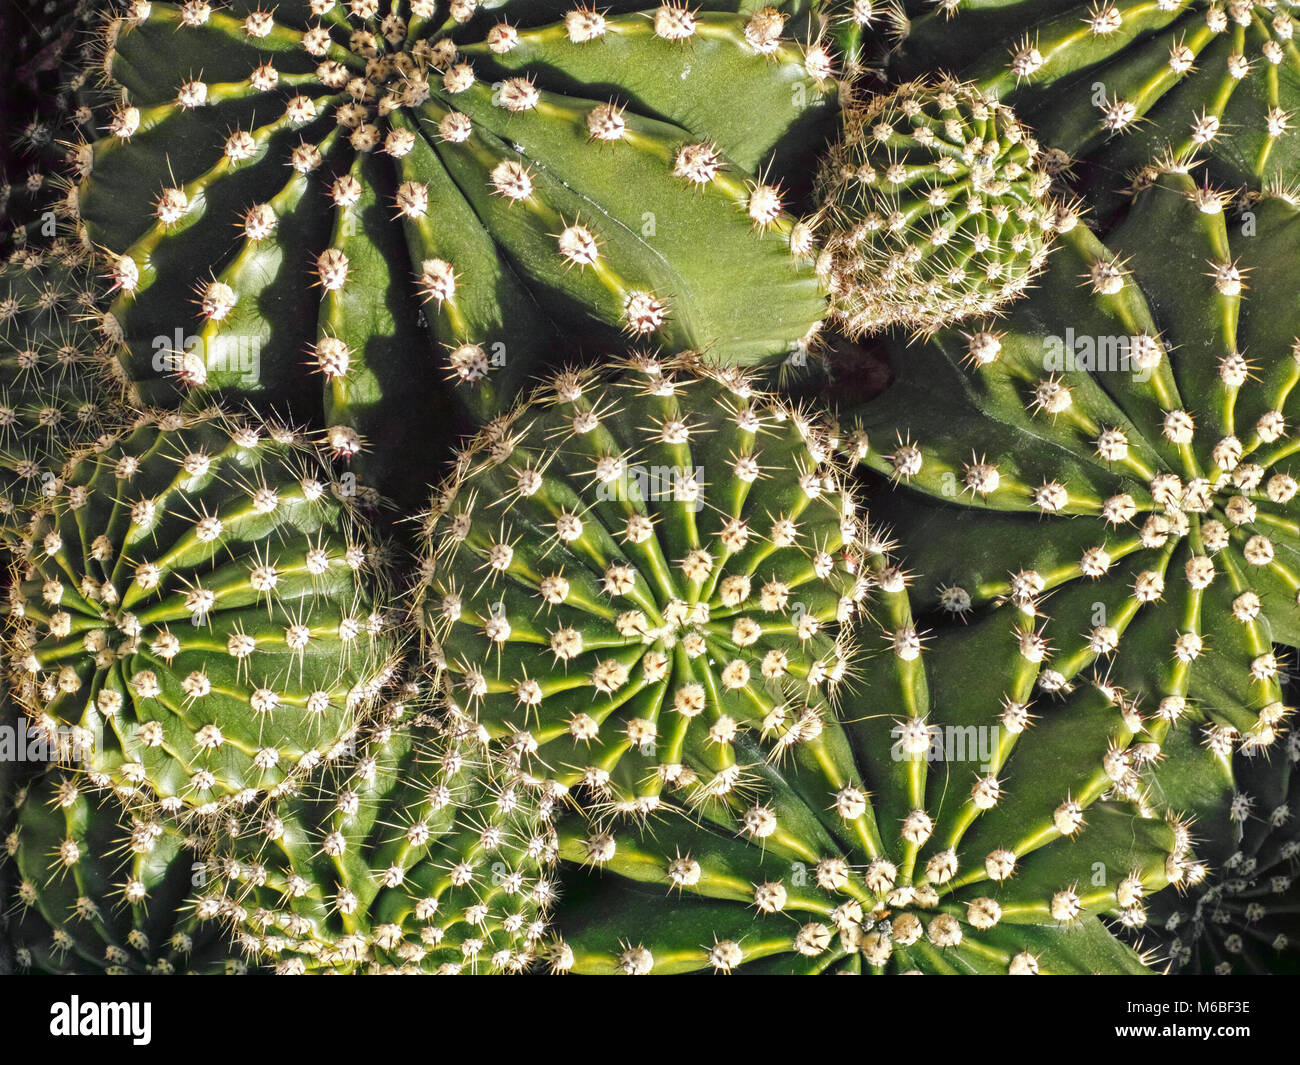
932	208
200	609
876	845
631	569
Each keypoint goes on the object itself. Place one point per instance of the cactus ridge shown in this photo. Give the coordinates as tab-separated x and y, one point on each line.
1117	456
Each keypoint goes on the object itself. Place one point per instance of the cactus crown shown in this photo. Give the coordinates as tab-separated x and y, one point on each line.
1152	520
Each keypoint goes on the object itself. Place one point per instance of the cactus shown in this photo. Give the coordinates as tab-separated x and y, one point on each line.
1127	84
197	611
637	565
426	194
422	854
1114	456
932	207
57	389
944	821
97	891
1240	912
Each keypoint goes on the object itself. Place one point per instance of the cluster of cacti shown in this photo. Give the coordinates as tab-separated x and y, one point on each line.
932	207
352	201
420	556
959	822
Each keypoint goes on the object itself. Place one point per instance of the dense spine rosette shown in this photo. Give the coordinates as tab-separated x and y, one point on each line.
947	820
379	195
932	207
197	611
1116	456
1129	82
422	854
638	567
98	891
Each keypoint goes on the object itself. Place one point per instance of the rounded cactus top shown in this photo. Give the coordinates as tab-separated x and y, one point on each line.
196	616
944	820
422	852
639	566
1117	458
933	206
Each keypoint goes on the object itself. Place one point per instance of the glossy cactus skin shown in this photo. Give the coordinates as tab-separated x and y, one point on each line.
1240	911
57	390
1128	83
946	820
420	854
932	208
1114	456
200	608
636	566
97	891
372	201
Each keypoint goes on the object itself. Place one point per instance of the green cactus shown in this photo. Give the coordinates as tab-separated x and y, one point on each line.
1127	83
1240	912
1115	456
421	854
634	567
943	821
199	609
368	200
57	386
96	891
932	207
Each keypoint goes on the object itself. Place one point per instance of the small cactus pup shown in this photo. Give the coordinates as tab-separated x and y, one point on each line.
1240	911
1124	83
351	201
945	820
637	567
57	387
932	207
198	611
422	853
96	890
1115	456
